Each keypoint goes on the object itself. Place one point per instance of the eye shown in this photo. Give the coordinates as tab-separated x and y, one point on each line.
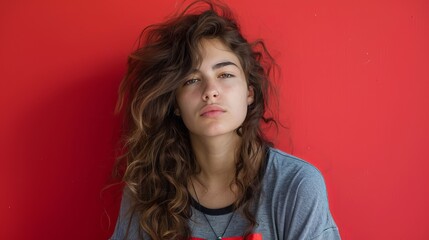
226	75
191	81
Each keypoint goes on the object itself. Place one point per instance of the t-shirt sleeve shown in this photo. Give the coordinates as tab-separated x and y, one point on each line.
311	217
127	226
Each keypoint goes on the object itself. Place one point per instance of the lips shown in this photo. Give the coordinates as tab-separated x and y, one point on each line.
211	111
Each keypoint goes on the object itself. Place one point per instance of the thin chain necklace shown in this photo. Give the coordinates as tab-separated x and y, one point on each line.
218	237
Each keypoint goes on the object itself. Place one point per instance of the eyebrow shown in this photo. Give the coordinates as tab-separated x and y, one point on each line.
220	65
223	64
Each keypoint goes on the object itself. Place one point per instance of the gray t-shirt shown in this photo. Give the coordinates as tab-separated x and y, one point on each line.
293	205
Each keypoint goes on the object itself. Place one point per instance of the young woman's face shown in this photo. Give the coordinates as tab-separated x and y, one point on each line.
213	100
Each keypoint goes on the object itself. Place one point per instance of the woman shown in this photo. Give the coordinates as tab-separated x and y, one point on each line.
197	163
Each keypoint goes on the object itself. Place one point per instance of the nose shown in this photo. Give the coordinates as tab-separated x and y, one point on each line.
211	92
210	95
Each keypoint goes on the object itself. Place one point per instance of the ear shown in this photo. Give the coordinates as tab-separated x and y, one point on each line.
250	95
177	112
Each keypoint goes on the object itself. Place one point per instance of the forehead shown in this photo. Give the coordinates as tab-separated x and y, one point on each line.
214	50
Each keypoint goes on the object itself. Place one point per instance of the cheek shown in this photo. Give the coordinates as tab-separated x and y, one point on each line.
241	105
187	106
185	100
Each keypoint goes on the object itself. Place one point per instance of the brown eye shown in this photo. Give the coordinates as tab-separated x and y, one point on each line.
226	75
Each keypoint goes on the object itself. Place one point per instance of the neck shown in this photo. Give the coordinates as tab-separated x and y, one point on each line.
216	158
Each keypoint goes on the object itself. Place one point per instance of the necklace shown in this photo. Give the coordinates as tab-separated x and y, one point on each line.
218	237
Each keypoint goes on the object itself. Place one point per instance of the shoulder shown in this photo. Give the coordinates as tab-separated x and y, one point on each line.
287	168
296	190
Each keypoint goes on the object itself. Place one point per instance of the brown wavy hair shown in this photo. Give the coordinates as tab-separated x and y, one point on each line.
157	154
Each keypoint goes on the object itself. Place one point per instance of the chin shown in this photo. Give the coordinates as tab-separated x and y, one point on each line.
214	129
218	132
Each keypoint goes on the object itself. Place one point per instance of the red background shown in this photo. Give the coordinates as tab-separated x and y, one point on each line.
353	93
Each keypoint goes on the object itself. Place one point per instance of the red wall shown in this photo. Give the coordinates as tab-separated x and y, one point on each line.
353	93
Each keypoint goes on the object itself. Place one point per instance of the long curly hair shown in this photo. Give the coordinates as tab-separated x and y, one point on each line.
158	156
